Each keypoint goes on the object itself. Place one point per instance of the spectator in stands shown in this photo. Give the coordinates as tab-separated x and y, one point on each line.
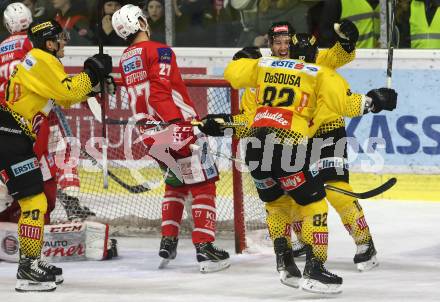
156	19
257	16
73	19
38	12
194	18
104	29
364	13
419	23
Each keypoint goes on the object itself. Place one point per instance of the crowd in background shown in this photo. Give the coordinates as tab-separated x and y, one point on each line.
240	23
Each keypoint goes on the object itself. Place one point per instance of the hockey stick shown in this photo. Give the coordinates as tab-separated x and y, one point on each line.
391	8
153	122
368	194
100	14
66	128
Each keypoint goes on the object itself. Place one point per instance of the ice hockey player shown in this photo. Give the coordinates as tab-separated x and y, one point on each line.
289	91
153	80
36	84
331	162
17	18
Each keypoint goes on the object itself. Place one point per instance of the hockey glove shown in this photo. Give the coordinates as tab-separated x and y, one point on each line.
98	67
110	87
382	99
348	34
213	124
248	53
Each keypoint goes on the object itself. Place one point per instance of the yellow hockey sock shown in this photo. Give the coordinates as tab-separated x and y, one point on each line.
350	212
278	218
314	228
31	224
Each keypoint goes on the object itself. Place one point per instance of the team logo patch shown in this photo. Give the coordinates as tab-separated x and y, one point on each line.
4	176
28	62
361	223
30	231
11	46
264	184
320	238
328	163
273	117
281	28
164	55
25	166
293	181
297	226
10	245
132	64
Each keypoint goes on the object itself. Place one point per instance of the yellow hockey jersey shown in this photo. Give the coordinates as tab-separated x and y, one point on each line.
39	81
333	58
289	91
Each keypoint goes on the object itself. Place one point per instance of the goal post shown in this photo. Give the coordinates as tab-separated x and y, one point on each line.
239	210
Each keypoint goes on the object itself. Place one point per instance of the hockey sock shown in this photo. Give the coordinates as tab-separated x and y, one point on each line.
314	228
31	224
278	218
350	212
203	213
297	219
172	211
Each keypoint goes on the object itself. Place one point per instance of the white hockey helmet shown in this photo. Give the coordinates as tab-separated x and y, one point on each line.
17	17
125	21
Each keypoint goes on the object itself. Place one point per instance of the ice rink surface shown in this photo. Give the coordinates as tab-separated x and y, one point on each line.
407	237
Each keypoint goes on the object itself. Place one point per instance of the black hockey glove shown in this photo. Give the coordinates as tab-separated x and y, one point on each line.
248	53
348	34
110	87
98	67
382	99
213	124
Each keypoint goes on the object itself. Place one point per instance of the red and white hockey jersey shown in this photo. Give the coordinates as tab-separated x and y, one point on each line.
152	77
12	50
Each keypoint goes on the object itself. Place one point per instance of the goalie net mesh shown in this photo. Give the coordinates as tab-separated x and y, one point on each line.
239	210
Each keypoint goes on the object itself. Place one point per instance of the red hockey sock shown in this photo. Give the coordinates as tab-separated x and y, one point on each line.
172	210
204	213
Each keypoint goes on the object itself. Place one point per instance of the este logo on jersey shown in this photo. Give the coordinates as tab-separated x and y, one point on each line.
132	64
11	46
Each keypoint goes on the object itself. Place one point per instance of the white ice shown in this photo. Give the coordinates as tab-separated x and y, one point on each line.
406	235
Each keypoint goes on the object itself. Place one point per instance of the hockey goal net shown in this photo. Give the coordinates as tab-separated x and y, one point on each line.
239	210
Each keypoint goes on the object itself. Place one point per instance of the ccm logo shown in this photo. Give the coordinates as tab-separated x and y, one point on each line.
66	229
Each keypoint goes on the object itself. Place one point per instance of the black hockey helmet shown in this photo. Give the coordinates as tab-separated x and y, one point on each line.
39	32
304	47
280	28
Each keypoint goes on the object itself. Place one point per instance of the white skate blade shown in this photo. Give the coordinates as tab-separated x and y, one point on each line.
164	263
368	265
211	266
59	279
291	281
32	286
316	287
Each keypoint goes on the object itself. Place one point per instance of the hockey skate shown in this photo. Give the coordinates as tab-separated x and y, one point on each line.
30	277
298	249
74	211
365	258
167	250
317	279
211	259
51	269
289	272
